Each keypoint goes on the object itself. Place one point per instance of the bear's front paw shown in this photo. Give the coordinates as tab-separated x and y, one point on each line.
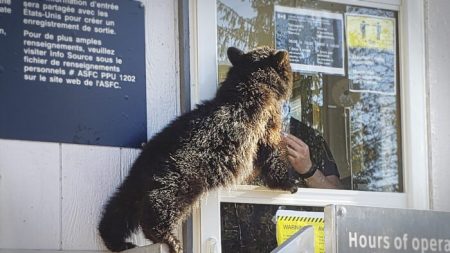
293	189
292	186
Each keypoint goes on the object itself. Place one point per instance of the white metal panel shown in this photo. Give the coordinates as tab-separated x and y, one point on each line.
162	63
209	222
89	176
381	4
438	59
29	195
312	197
204	50
414	104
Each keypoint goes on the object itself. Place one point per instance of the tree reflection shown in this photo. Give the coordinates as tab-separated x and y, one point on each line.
374	134
371	128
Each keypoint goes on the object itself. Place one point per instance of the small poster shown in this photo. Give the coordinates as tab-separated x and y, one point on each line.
314	39
371	53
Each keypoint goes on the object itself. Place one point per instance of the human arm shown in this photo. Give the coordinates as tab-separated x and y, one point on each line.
300	160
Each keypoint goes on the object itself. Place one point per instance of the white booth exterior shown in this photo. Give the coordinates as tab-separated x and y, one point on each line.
51	194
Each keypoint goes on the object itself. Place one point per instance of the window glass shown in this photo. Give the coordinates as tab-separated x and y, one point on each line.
252	228
346	85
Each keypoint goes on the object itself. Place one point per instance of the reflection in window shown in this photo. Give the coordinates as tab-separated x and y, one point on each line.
362	128
250	228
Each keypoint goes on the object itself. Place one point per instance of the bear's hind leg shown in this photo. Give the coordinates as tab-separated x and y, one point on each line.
160	215
167	238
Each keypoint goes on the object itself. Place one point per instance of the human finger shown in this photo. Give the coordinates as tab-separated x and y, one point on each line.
296	140
292	160
300	150
304	148
292	143
296	154
291	152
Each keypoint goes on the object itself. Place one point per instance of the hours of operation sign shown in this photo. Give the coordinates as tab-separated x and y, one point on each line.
358	229
73	71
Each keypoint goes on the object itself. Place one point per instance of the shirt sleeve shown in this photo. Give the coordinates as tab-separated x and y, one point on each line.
330	167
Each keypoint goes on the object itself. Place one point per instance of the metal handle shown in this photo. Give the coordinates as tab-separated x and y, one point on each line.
211	245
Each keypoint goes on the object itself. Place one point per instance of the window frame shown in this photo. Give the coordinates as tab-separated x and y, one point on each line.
414	127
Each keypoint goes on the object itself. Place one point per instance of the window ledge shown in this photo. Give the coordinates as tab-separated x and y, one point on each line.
153	248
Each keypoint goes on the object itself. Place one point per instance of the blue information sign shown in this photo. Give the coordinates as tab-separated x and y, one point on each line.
73	71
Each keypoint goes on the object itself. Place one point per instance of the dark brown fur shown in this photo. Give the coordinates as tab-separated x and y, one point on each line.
221	142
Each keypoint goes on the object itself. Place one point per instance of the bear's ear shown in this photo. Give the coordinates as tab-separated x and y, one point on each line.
280	57
234	55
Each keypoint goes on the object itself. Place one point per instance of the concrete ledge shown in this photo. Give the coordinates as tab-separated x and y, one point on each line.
152	248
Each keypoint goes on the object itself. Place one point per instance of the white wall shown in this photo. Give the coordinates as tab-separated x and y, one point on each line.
438	71
51	194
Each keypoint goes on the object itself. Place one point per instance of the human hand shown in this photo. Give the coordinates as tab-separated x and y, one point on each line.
298	153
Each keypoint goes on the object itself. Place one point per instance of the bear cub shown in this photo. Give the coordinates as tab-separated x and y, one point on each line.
222	142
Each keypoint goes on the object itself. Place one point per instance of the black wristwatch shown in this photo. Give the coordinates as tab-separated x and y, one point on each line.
309	173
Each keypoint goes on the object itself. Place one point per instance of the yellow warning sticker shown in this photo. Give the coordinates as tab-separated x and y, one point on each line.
289	222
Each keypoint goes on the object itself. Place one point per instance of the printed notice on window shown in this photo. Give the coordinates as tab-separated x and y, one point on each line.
73	71
314	39
371	53
289	222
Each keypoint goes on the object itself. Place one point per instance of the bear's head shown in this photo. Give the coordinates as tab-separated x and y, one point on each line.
264	66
